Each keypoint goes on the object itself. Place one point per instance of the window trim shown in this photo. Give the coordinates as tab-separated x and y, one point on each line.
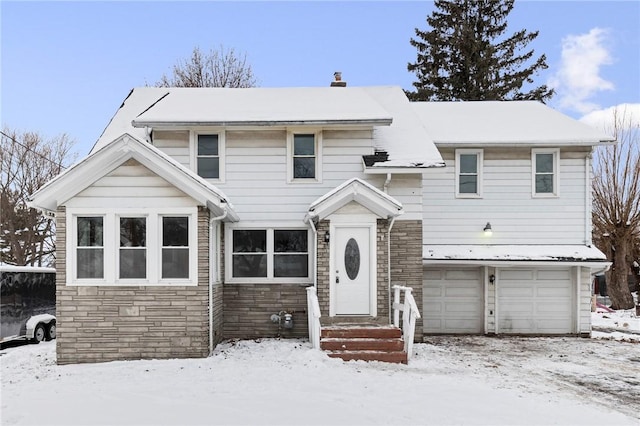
193	150
111	232
318	151
480	165
556	169
270	279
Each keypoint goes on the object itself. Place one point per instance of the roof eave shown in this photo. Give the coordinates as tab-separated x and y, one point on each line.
590	263
264	123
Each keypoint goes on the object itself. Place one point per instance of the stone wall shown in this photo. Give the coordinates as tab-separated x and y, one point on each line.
106	323
248	309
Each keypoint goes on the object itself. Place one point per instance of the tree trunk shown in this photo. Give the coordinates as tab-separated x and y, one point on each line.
618	287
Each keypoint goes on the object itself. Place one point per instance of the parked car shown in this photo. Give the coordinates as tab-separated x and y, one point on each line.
28	303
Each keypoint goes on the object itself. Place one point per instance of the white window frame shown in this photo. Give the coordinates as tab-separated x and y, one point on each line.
118	248
556	170
318	152
193	150
269	279
111	235
480	164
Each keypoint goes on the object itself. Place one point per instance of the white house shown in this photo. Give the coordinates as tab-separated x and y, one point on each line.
204	214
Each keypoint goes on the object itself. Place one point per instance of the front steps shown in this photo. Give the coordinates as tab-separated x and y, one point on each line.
363	342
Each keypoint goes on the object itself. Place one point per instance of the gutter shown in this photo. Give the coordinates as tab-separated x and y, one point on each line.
393	219
262	123
309	217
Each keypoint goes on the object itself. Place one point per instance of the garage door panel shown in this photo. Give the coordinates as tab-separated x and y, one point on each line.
515	274
554	275
461	275
453	301
469	291
535	301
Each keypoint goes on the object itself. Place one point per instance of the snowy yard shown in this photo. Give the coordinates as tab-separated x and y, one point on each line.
451	380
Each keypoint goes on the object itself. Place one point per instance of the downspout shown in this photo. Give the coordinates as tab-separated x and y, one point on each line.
393	219
385	186
587	200
213	243
315	251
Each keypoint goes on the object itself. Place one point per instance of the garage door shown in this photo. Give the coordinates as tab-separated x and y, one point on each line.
535	301
453	301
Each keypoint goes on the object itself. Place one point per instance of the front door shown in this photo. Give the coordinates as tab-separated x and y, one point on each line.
352	270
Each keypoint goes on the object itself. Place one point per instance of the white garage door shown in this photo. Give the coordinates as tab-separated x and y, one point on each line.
535	301
453	301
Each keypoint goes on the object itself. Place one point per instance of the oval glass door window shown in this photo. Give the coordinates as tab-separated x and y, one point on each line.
352	259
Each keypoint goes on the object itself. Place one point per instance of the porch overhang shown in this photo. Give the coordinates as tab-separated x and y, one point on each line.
84	173
359	191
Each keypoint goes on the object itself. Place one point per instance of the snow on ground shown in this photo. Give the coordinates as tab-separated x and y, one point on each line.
451	380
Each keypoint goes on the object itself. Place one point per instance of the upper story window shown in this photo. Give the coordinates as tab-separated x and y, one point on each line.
545	172
132	248
208	154
304	157
469	173
268	255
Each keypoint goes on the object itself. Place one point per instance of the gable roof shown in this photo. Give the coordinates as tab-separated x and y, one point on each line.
101	162
361	192
216	106
499	123
397	129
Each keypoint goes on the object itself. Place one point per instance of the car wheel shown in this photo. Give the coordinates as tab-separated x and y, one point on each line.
51	331
39	334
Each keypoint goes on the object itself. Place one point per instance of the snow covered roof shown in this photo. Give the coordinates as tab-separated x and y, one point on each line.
264	106
101	162
359	191
406	141
499	123
509	253
137	100
397	129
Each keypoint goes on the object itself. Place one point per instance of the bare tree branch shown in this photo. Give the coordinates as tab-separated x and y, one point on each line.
218	68
616	204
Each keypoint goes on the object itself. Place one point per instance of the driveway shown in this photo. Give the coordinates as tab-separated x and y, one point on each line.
606	372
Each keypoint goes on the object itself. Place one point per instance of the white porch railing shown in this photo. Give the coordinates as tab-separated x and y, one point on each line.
313	314
410	313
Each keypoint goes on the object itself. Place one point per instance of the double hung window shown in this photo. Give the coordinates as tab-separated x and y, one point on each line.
545	172
304	157
90	247
468	173
133	247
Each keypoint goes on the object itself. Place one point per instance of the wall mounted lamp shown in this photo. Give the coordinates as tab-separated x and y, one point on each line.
327	237
487	229
492	278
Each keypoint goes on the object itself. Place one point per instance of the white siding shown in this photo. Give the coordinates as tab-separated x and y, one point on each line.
131	185
585	301
507	203
173	143
256	175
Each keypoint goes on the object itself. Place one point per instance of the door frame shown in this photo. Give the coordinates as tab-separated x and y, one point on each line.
354	221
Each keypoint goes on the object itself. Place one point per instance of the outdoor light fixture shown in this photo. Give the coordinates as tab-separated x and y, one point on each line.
487	229
327	237
492	278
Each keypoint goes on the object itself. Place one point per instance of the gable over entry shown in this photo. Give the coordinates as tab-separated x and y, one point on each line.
348	220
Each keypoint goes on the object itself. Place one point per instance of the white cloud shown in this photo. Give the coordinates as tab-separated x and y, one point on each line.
627	115
578	78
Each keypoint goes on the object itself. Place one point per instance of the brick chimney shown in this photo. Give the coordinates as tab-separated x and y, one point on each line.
337	82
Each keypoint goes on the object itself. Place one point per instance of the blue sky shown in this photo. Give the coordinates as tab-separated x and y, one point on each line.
67	66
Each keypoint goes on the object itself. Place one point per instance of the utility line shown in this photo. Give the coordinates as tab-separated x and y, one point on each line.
32	150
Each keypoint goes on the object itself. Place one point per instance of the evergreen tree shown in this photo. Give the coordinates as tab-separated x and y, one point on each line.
465	55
